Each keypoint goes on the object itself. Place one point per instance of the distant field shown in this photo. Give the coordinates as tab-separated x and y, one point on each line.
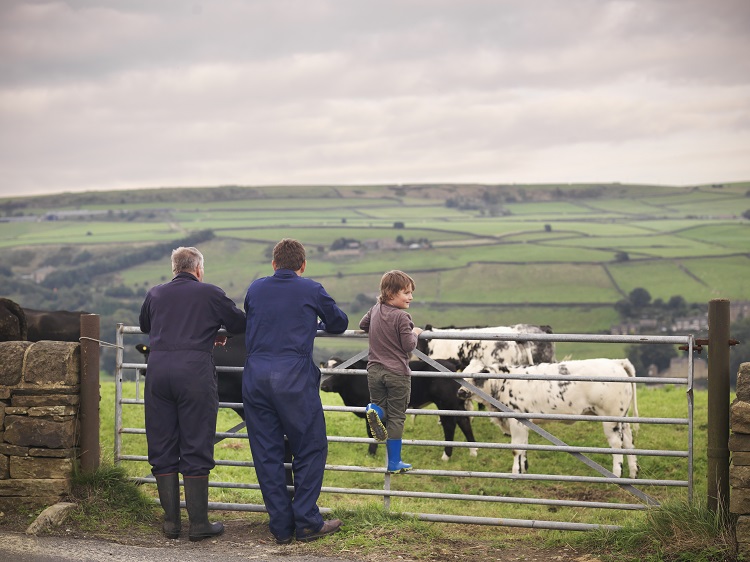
542	254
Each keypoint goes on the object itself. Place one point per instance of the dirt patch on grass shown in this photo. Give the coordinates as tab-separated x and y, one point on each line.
249	533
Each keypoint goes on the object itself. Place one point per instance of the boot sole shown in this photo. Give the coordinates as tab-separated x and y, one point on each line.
377	428
196	538
318	535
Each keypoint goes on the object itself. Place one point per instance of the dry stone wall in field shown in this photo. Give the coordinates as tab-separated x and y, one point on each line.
39	421
739	447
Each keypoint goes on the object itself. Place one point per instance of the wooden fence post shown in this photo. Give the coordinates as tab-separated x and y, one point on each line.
90	394
718	405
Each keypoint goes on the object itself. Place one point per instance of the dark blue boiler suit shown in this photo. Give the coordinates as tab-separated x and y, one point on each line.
182	318
280	391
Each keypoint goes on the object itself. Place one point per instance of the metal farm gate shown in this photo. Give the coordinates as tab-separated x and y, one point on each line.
463	507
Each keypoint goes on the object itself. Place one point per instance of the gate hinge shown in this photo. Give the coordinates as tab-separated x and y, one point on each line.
700	342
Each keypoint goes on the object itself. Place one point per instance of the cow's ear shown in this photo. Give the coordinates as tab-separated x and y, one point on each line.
141	348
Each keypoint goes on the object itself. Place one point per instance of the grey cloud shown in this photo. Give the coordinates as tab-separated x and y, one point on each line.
106	93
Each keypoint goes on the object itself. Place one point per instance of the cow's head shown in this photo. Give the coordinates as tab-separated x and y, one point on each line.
144	350
474	366
424	345
338	382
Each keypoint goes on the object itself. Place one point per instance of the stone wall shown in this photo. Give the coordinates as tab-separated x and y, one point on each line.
39	422
739	469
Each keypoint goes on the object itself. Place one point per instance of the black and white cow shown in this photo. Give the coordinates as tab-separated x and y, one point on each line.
501	352
575	397
424	391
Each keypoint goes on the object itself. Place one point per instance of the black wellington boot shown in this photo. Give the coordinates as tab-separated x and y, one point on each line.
196	500
169	496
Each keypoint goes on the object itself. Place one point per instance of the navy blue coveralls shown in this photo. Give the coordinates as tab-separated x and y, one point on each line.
182	318
281	395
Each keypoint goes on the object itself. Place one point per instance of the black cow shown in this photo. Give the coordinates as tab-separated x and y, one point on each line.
424	390
13	325
55	325
229	384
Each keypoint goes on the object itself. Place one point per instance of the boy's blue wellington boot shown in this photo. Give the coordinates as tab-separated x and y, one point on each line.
393	446
375	417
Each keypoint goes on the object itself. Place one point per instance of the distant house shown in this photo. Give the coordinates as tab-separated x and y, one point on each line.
678	368
691	324
40	274
739	310
631	327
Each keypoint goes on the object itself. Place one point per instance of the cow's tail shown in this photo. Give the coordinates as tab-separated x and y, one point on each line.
529	353
630	370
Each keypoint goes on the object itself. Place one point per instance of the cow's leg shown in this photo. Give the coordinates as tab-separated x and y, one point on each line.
449	431
628	443
614	433
288	458
465	425
519	435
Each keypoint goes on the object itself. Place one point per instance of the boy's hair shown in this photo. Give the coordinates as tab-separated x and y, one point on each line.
186	259
392	282
289	254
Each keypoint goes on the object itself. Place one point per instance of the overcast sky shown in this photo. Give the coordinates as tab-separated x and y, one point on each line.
119	94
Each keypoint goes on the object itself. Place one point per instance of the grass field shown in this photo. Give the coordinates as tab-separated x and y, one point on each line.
652	402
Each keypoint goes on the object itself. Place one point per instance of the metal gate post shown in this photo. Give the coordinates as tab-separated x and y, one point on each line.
90	395
718	405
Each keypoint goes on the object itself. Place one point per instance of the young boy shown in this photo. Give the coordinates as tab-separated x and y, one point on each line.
392	339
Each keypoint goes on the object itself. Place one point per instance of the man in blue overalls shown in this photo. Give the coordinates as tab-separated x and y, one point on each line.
280	391
182	319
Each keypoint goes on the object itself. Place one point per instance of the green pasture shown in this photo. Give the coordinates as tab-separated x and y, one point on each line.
626	207
316	235
649	245
492	283
675	225
593	229
724	208
725	277
489	284
697	280
84	232
661	402
705	195
726	236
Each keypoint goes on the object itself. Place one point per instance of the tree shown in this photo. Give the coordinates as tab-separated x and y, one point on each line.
624	308
746	214
119	291
398	224
643	356
677	303
639	297
361	302
622	256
